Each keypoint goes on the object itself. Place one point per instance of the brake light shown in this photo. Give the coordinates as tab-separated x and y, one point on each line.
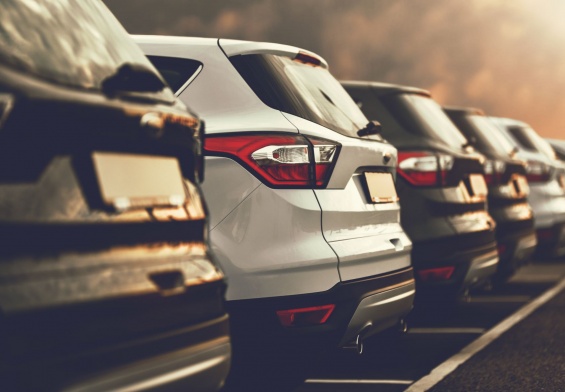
422	168
436	274
301	317
494	171
538	171
545	235
280	160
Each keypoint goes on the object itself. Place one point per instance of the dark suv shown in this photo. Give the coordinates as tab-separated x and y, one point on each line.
441	187
105	278
507	189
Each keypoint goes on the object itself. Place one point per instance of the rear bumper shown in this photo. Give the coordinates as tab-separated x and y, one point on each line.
203	367
473	264
369	305
516	245
551	241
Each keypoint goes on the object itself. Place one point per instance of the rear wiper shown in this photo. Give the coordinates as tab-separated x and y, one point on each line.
132	78
372	128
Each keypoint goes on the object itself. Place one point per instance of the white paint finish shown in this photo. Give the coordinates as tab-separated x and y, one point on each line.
226	184
271	245
430	331
219	94
443	370
235	47
355	152
344	381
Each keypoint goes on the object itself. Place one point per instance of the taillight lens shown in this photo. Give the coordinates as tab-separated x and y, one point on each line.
494	171
436	274
280	160
538	171
421	168
301	317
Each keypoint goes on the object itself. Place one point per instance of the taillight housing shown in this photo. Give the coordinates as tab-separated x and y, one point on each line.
279	160
423	168
302	317
494	171
538	171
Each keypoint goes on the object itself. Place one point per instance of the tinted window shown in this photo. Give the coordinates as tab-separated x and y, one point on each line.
530	140
176	71
425	116
488	136
77	43
306	91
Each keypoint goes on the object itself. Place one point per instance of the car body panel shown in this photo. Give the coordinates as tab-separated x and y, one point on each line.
276	245
81	275
435	217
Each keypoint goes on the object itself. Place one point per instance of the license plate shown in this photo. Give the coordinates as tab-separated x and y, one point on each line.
381	187
478	185
138	181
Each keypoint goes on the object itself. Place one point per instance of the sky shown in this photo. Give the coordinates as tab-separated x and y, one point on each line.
506	57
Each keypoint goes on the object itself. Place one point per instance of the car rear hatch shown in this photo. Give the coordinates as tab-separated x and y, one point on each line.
505	176
103	226
353	175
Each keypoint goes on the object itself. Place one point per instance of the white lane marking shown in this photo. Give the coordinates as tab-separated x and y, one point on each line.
445	330
324	381
499	298
444	369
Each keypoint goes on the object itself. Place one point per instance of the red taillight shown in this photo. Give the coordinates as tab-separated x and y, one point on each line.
494	171
538	171
300	317
436	274
280	160
422	168
545	235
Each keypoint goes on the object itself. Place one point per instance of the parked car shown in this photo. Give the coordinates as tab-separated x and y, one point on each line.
546	176
303	208
105	278
441	187
559	147
507	189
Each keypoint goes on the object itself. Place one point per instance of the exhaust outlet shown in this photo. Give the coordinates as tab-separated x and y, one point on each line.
355	345
403	326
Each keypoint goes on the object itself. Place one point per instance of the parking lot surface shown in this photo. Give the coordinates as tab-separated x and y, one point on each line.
516	348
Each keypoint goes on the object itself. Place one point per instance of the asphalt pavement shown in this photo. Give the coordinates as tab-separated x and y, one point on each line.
519	344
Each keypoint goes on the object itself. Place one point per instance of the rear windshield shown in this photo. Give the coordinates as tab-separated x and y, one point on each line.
303	90
426	117
488	136
76	43
176	72
529	139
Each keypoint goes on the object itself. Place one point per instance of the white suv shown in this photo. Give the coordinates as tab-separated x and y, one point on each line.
304	215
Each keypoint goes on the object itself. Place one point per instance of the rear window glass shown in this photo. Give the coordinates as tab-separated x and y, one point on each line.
76	43
176	71
488	136
303	90
422	115
530	140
